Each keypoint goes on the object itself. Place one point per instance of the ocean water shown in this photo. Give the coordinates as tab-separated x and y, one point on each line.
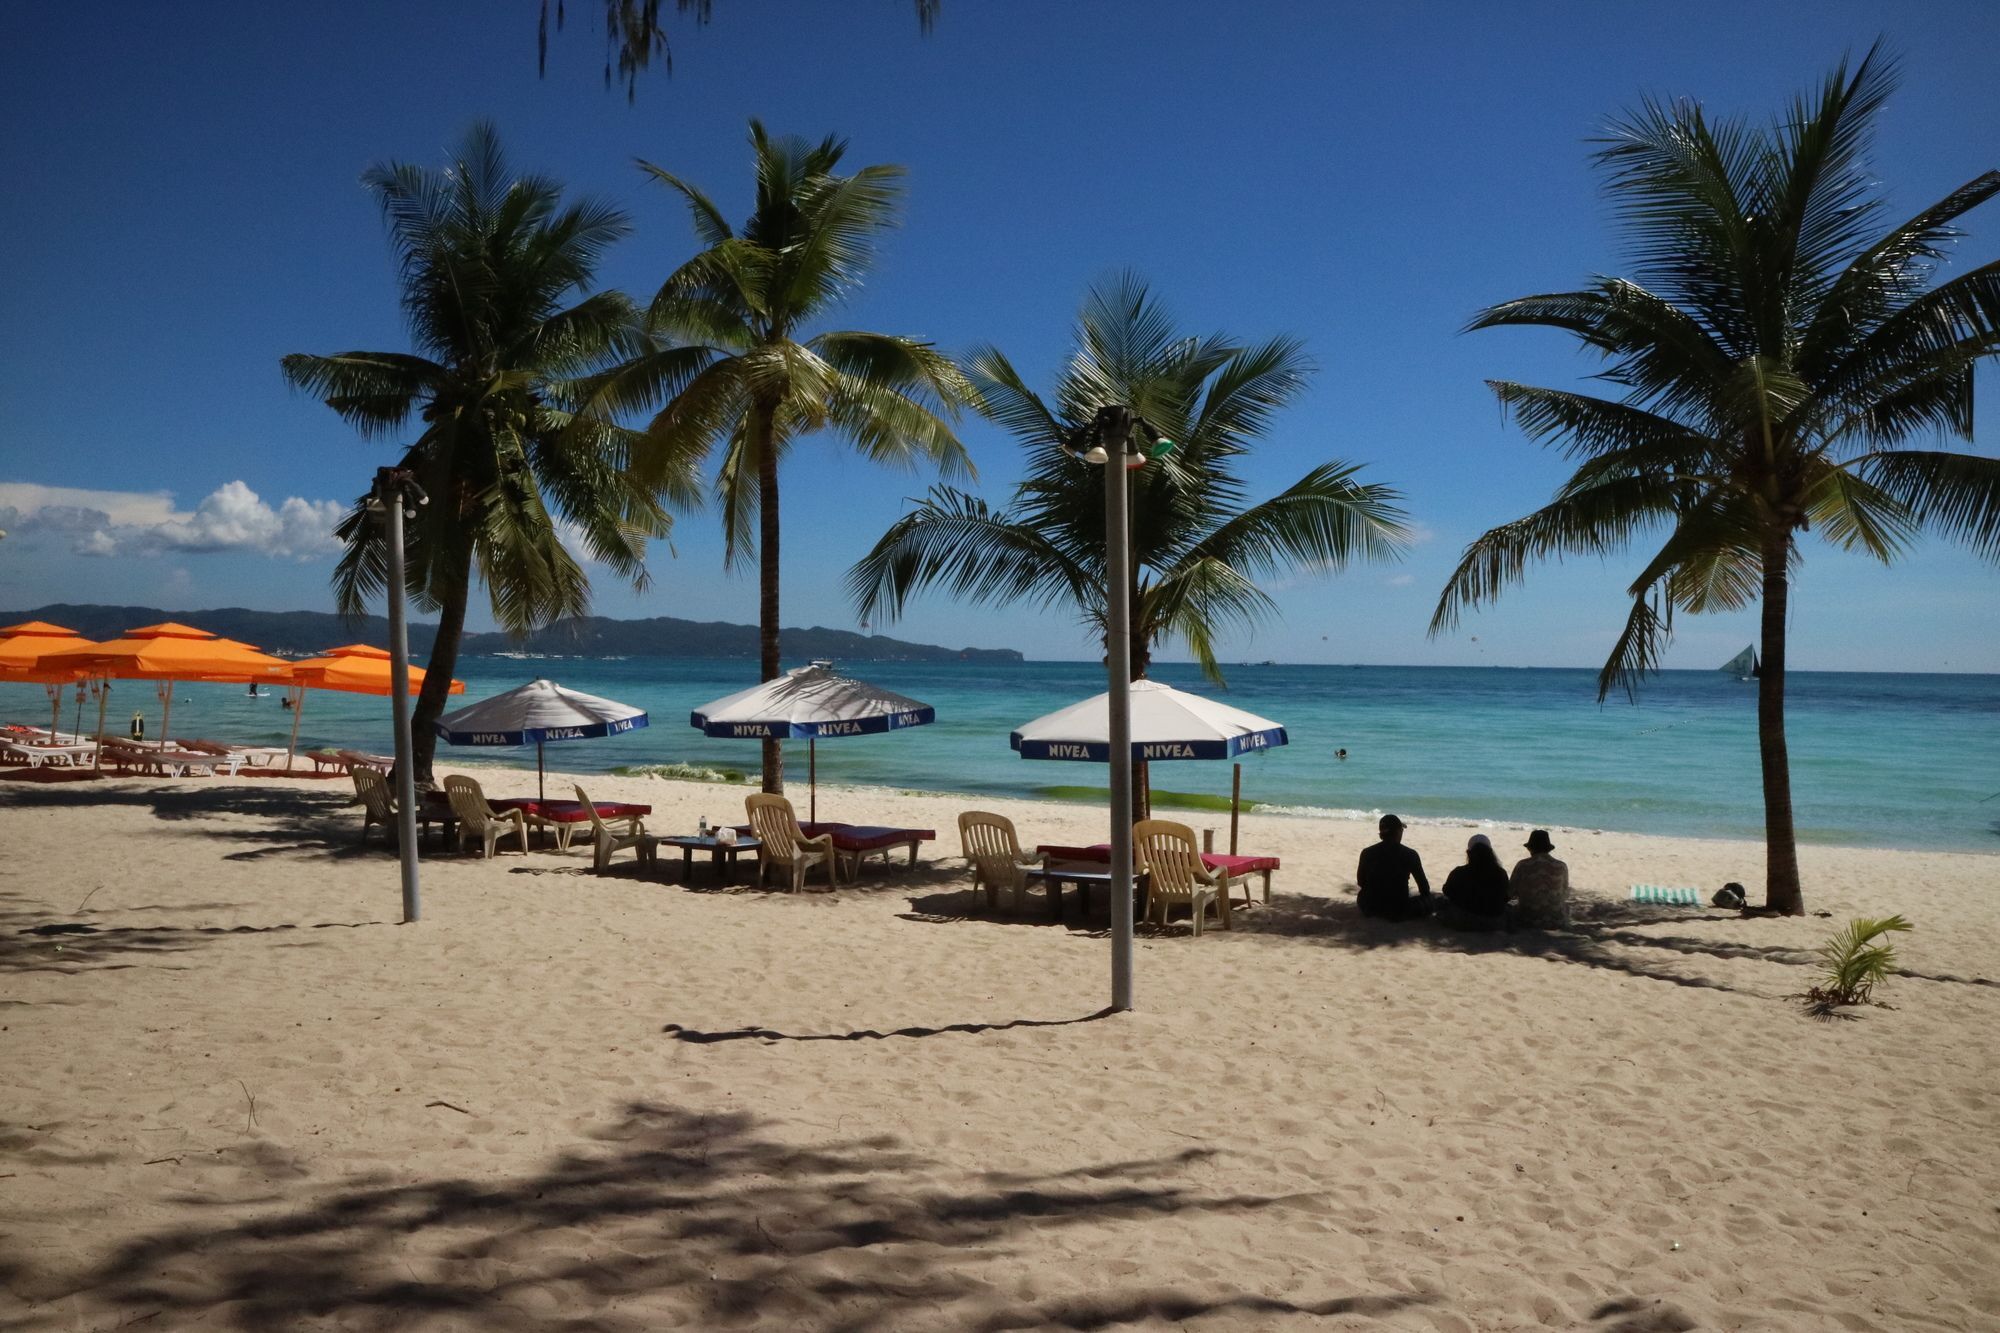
1877	760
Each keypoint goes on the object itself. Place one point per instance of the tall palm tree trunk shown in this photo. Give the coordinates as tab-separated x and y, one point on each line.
436	689
768	648
1782	891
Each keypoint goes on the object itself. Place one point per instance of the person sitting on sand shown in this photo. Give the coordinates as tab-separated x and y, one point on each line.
1477	891
1384	875
1541	884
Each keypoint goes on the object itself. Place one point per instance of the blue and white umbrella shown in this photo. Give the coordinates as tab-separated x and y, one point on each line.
536	713
810	703
1167	724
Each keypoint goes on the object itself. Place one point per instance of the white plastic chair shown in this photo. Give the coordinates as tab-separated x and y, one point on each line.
476	819
1168	853
785	843
989	842
607	841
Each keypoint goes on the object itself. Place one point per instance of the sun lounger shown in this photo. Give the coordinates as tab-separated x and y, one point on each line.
857	842
36	753
356	759
255	756
325	759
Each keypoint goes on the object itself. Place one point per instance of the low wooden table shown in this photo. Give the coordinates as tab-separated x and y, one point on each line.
722	855
1057	877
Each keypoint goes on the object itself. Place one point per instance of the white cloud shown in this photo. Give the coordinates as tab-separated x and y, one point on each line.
1401	580
231	518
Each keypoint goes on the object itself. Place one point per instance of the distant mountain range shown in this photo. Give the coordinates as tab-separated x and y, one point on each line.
301	633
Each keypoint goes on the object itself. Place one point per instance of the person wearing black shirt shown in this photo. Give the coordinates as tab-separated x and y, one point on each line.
1477	890
1384	876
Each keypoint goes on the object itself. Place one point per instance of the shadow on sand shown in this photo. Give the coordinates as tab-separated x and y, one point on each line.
668	1217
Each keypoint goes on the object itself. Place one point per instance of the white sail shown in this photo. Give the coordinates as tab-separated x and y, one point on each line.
1743	664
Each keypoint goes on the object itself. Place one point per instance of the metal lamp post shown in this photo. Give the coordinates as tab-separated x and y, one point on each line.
394	488
1108	440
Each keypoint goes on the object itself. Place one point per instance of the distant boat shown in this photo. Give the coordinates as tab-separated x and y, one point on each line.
1744	666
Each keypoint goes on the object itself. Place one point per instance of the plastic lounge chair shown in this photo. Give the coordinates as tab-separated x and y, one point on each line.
371	792
355	759
607	841
1169	854
988	841
785	844
477	819
323	759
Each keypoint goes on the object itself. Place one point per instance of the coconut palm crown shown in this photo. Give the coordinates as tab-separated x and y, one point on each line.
1783	357
739	376
1198	546
494	270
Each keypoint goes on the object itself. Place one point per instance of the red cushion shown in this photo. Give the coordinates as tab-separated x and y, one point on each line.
1235	865
572	812
873	837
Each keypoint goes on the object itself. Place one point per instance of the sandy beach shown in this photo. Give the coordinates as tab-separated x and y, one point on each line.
240	1096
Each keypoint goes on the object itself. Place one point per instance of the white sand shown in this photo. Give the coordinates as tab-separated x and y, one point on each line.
238	1095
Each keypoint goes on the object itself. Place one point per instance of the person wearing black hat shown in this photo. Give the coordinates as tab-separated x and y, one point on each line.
1540	884
1384	876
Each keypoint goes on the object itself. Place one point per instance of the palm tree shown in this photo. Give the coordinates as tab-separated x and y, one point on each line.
1198	546
493	267
740	376
1780	355
634	36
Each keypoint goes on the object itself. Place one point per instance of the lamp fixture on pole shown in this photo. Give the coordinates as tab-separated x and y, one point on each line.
395	492
1117	432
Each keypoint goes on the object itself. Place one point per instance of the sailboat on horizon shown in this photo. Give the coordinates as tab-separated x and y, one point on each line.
1744	666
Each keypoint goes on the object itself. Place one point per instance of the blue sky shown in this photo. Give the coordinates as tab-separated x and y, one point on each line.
182	207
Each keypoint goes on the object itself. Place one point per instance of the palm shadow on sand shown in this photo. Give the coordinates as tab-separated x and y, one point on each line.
664	1212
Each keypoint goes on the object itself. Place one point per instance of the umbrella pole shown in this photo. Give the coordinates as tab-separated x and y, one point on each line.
298	706
812	778
1235	802
103	698
165	689
541	778
55	712
79	707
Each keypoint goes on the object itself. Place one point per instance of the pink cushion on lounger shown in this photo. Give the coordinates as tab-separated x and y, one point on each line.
572	812
1235	865
870	837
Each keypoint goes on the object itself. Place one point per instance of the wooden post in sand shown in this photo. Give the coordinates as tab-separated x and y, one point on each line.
1235	802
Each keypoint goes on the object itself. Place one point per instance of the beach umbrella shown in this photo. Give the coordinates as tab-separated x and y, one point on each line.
355	668
169	653
1167	724
810	703
536	713
23	646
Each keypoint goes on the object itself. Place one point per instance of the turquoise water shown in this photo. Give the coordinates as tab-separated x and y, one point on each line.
1877	760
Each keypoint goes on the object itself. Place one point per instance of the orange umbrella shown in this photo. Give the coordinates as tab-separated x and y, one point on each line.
168	653
23	646
353	669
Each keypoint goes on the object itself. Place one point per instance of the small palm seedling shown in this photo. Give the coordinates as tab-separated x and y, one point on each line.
1856	961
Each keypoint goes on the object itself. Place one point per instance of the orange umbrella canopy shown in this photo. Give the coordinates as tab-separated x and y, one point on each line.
23	646
357	669
169	651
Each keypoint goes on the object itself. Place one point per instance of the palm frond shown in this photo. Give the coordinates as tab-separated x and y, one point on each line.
1957	495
